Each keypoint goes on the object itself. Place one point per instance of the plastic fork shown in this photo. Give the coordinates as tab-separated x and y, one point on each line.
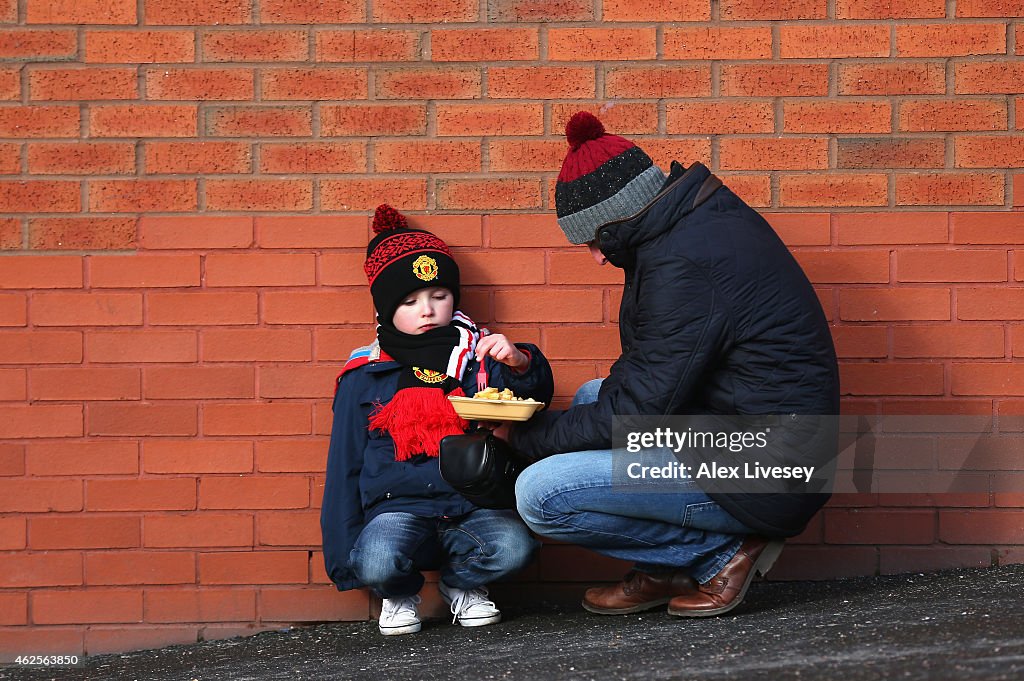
481	375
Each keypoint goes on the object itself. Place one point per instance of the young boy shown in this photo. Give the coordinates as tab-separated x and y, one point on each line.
387	513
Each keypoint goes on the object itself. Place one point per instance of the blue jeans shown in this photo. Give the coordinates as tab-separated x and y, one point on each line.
572	497
471	551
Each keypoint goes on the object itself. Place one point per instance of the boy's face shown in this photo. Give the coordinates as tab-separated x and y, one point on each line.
424	309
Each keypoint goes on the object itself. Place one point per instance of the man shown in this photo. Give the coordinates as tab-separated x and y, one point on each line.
718	319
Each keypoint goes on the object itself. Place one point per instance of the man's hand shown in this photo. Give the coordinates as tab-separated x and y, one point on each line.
501	348
502	430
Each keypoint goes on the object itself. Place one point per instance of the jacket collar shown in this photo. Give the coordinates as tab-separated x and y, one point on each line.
620	239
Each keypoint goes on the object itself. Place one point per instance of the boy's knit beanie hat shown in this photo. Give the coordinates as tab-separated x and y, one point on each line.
604	178
400	260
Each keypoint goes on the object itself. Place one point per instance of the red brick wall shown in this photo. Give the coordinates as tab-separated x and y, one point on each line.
184	188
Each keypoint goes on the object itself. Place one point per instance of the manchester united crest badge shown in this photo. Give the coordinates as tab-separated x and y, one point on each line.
425	268
429	375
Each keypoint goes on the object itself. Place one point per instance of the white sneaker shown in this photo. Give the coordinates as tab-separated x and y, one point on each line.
399	616
470	608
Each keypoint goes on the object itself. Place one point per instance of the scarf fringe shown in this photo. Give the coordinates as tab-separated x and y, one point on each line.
417	419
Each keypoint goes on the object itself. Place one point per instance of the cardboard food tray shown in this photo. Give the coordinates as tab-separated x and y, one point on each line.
473	409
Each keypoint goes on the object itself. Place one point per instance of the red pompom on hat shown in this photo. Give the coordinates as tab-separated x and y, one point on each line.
386	218
583	127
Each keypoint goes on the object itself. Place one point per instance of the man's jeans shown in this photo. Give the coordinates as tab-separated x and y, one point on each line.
572	497
471	551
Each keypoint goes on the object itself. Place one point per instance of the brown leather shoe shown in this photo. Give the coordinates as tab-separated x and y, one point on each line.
638	591
726	590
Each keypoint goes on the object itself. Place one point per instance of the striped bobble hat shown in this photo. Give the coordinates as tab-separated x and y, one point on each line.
604	178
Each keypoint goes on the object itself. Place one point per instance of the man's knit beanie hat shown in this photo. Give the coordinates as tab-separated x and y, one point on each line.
604	178
400	260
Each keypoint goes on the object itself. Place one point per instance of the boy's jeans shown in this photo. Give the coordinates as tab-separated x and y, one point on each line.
472	551
571	497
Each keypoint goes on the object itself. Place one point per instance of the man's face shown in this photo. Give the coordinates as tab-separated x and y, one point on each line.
596	253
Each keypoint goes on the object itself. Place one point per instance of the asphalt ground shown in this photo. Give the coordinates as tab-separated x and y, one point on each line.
958	624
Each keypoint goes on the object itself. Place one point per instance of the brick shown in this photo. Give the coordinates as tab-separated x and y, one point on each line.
948	340
197	157
84	532
505	194
82	458
988	152
142	419
860	341
539	10
87	309
352	195
601	44
316	307
141	346
52	640
518	231
81	12
424	11
709	42
314	232
143	120
897	304
139	47
13	385
525	155
951	266
945	40
201	308
495	44
834	190
833	41
199	12
291	456
81	158
81	233
38	44
315	84
833	117
254	567
504	267
441	156
132	196
958	189
887	152
100	640
845	267
199	84
336	344
202	232
890	9
569	342
256	345
13	310
774	80
663	152
37	196
359	120
19	570
988	77
220	456
82	84
375	45
987	228
310	382
719	118
858	229
42	347
269	492
883	526
311	605
478	120
564	305
276	195
200	605
199	382
578	268
776	10
621	117
901	560
90	384
144	271
788	153
980	526
754	190
892	378
260	269
176	494
13	608
39	121
196	530
656	82
10	234
989	8
38	496
984	378
267	121
263	45
996	304
90	606
10	84
895	78
428	83
278	418
801	229
139	567
929	115
540	81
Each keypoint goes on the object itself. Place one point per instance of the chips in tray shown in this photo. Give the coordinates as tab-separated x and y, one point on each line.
491	404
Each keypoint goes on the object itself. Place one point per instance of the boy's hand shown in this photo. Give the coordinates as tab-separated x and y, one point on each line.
501	348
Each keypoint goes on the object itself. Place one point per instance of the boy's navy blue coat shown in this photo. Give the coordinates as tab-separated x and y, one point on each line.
363	478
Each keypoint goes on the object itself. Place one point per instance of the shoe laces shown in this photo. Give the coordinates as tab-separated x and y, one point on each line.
393	606
464	600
